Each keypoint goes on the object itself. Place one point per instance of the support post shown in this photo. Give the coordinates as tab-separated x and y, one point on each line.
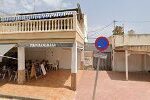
145	62
113	60
21	65
126	63
82	58
113	53
74	66
74	21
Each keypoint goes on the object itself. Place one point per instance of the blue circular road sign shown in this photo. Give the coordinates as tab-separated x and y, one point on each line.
101	43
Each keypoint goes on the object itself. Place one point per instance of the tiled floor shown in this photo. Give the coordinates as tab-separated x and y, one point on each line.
55	86
112	86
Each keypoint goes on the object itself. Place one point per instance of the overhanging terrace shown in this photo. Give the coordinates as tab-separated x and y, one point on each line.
131	53
134	41
48	21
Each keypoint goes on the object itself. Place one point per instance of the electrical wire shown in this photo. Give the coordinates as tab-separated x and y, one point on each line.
101	29
119	21
4	12
123	21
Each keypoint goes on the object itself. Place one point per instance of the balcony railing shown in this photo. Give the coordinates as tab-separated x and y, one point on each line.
132	40
45	25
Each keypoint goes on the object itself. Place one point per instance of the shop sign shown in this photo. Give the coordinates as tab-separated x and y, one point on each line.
42	45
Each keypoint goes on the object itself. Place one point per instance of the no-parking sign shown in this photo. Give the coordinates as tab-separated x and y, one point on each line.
101	43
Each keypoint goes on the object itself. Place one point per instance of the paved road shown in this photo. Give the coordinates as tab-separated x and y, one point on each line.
112	86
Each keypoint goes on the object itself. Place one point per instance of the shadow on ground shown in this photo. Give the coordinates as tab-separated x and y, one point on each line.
133	76
15	97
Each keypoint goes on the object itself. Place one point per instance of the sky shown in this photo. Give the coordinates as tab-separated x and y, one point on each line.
132	14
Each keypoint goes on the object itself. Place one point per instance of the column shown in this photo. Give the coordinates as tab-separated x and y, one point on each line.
113	60
113	53
82	58
145	62
126	63
74	66
21	65
74	21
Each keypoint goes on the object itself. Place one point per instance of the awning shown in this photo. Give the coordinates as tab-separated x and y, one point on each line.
37	16
4	48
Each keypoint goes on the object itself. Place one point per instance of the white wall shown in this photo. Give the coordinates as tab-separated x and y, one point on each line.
51	54
35	53
85	28
135	62
147	62
61	54
119	62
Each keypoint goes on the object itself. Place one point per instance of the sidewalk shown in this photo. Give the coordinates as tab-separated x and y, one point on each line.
112	86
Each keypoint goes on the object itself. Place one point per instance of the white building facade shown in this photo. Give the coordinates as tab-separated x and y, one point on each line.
131	53
57	35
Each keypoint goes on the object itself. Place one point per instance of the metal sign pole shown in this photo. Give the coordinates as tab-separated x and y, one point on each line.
96	78
101	44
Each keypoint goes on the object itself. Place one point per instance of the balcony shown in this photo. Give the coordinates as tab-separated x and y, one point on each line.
44	25
132	40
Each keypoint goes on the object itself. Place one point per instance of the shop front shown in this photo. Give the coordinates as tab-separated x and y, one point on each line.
55	55
52	37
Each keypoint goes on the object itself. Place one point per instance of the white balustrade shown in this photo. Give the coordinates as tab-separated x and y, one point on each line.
60	24
131	40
